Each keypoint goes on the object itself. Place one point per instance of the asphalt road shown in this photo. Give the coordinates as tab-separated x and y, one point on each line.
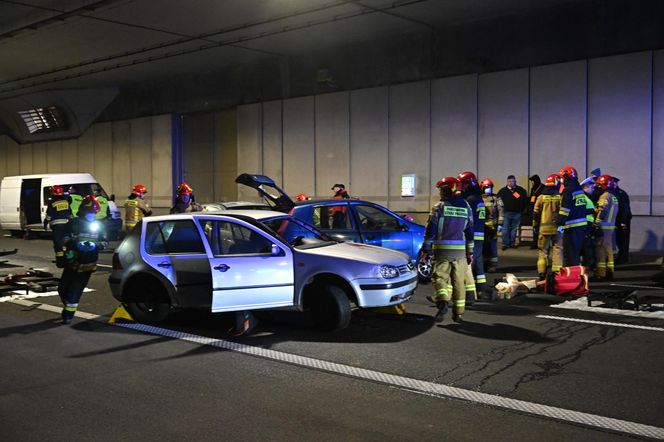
98	381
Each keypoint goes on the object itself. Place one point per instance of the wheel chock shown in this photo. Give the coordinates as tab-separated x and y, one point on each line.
120	315
399	309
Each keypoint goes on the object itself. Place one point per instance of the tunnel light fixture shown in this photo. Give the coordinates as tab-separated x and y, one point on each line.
43	119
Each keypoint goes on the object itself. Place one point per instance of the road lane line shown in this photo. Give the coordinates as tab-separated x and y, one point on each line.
105	265
613	324
416	385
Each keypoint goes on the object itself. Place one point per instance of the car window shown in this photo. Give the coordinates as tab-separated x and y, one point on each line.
332	217
372	218
172	237
84	189
228	238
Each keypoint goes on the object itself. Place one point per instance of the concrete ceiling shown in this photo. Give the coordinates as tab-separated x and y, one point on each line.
54	44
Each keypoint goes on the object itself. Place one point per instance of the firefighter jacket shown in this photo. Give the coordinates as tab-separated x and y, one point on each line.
83	240
75	201
606	211
135	209
180	207
491	206
104	211
58	212
545	212
572	213
474	199
590	208
449	230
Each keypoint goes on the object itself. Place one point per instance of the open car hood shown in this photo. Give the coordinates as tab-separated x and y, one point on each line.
267	188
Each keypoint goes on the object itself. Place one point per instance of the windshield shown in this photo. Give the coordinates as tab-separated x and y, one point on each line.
85	189
297	233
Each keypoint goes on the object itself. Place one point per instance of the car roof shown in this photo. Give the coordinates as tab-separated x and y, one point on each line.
236	204
255	214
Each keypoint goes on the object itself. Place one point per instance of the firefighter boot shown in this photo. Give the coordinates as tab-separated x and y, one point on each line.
457	317
442	309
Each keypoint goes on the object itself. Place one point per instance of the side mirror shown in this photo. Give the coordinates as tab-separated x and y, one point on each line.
404	228
112	197
276	250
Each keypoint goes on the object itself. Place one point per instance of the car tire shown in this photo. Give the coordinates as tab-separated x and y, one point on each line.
330	308
152	307
424	269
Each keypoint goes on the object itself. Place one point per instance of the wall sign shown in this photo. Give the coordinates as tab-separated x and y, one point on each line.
408	184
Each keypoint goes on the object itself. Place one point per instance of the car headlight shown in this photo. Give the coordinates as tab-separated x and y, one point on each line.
389	272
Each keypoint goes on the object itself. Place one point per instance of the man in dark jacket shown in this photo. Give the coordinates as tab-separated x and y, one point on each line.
623	224
511	203
536	189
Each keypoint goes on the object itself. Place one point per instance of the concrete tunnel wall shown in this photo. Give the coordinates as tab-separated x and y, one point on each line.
603	112
118	154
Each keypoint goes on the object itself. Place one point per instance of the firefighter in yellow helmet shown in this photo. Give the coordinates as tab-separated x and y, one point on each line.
136	207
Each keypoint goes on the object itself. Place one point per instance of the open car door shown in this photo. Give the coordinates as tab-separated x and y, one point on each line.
267	188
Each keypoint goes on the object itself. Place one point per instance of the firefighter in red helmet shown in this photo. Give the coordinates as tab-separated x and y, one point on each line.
476	279
184	200
571	221
302	197
84	238
58	214
449	236
136	207
606	212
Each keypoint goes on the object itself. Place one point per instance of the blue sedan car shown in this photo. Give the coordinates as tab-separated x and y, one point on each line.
349	220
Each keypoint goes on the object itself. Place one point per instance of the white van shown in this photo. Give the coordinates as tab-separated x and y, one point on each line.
23	200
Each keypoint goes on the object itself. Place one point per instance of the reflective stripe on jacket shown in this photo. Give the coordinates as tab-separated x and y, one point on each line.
546	210
449	231
491	206
58	212
572	213
607	211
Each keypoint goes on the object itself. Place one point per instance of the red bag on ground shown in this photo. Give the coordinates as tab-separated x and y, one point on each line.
568	281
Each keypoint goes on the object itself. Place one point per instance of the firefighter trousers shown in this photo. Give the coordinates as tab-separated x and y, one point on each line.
58	241
604	254
449	282
478	268
573	245
550	253
490	252
70	289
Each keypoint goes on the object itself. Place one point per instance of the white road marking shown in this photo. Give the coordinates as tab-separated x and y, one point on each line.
105	266
415	385
613	324
30	295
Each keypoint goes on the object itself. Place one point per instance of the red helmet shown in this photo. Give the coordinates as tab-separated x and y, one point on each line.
184	189
449	185
57	190
302	197
89	204
552	180
467	178
606	182
139	189
486	182
568	173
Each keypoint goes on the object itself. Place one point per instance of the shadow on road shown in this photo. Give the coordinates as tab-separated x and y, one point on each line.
501	332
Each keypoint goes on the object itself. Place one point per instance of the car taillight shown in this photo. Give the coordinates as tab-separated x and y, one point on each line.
116	262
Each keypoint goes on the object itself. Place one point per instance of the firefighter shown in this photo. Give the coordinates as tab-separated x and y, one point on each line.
490	252
473	195
536	189
571	221
549	241
58	215
338	212
184	200
623	224
74	199
605	219
449	234
136	207
84	238
592	233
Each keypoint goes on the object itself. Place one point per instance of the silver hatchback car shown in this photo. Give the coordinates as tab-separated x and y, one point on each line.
253	259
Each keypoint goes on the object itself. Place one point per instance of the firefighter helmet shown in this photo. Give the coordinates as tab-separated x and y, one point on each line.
552	180
568	173
302	197
606	182
139	189
486	182
89	204
184	189
467	178
449	186
57	190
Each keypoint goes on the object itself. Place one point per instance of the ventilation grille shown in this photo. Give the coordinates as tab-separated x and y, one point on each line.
43	119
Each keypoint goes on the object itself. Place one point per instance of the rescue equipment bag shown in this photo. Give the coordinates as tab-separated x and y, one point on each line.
568	281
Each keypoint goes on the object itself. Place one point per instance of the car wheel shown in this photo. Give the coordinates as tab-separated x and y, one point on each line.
151	307
330	308
424	268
